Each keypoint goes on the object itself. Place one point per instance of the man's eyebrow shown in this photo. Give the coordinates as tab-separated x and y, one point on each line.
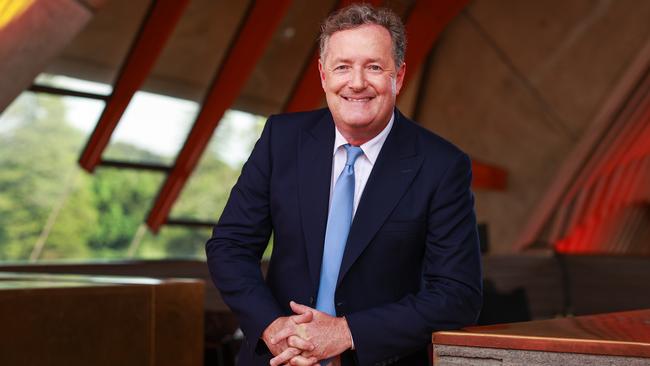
344	60
349	61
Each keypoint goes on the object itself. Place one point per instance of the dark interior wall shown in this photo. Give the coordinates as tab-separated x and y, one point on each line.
518	84
572	285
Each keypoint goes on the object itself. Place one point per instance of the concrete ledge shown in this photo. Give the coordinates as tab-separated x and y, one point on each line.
476	356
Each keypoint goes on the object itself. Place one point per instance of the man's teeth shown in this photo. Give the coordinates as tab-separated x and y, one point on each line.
357	99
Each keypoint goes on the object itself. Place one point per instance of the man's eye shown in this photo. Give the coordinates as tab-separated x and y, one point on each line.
374	67
341	68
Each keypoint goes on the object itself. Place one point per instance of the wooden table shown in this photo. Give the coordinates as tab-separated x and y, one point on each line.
71	320
606	339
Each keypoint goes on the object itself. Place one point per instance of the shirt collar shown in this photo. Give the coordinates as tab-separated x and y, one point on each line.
371	148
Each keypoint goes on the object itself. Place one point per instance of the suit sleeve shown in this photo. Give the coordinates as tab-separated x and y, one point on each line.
238	241
450	291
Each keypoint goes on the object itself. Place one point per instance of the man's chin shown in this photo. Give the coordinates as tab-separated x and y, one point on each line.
357	116
357	123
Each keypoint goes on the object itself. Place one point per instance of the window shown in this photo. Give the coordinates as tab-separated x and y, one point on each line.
51	210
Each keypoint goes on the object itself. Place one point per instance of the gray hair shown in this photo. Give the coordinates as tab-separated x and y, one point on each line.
356	15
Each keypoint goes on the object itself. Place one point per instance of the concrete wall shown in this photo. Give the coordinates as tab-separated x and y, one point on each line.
517	84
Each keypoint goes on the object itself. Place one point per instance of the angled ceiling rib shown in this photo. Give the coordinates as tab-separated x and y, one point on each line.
425	23
247	48
613	182
155	30
550	218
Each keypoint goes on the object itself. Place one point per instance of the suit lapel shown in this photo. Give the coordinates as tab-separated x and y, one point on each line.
314	179
395	168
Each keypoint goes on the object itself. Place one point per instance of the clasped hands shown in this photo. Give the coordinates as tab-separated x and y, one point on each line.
306	337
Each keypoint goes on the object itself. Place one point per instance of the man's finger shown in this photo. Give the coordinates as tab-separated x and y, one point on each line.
282	334
299	308
305	317
284	357
297	342
303	361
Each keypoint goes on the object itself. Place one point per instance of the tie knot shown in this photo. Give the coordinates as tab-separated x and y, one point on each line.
353	153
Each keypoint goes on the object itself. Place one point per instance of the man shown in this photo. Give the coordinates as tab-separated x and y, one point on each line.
375	243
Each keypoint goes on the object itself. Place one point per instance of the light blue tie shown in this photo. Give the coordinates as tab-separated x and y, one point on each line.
336	235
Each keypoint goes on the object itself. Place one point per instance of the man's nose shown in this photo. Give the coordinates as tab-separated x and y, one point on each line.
357	79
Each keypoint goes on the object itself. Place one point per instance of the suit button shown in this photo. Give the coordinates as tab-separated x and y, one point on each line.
311	301
339	304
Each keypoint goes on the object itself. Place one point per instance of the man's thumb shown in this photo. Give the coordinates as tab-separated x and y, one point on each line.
299	308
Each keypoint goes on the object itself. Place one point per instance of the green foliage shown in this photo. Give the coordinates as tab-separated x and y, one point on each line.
34	172
122	199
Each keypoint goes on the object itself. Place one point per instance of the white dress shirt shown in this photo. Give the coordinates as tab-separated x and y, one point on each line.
363	165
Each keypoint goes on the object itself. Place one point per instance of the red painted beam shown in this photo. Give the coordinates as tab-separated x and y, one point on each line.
427	20
308	94
486	176
247	48
154	33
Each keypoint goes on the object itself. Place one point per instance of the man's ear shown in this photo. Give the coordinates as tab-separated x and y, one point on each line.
399	78
321	71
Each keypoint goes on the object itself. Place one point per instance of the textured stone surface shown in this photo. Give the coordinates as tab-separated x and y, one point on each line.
33	38
518	83
473	356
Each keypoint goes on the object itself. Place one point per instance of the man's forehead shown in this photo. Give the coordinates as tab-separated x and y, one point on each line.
362	31
368	42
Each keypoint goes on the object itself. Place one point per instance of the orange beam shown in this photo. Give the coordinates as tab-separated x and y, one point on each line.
427	20
263	18
154	33
486	176
307	94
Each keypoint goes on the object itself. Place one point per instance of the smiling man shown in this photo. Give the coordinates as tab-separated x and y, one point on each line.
375	243
361	80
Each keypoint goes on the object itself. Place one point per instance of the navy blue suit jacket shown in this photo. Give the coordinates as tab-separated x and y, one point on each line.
411	264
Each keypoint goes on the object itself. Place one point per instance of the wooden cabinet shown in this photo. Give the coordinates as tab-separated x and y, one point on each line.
96	320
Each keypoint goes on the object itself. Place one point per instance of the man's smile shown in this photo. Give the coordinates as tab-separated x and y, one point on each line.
357	99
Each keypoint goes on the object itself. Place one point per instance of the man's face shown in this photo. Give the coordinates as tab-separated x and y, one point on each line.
360	80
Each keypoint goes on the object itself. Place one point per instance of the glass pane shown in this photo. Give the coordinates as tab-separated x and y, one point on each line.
51	210
99	214
155	125
64	82
172	242
209	186
41	137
